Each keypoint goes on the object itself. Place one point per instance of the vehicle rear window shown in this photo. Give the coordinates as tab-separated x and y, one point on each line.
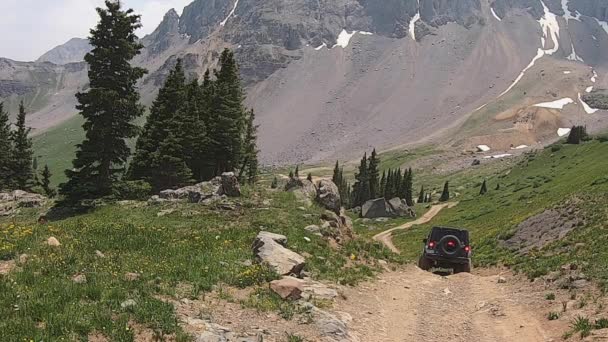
438	233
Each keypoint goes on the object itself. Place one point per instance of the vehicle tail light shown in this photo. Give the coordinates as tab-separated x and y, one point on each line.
467	248
432	244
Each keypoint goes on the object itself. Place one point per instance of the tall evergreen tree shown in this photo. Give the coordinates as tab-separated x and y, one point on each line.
170	99
191	132
229	112
21	163
6	149
361	187
421	196
336	178
46	182
445	195
398	182
383	184
309	177
484	188
109	106
297	172
172	169
374	175
577	135
497	186
389	185
250	153
408	181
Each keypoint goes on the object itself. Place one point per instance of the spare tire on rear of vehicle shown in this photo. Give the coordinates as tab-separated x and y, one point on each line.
450	245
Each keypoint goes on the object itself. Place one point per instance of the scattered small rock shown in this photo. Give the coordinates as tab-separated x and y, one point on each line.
79	278
165	212
99	254
129	303
52	241
130	276
502	280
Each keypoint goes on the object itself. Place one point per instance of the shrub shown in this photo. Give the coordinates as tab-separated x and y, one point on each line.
601	323
131	190
582	325
550	296
552	316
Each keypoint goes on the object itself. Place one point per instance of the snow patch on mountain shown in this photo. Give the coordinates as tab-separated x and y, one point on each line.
589	89
413	25
563	131
573	56
223	23
520	147
498	156
483	148
567	72
321	46
586	107
494	14
550	27
603	24
558	104
594	77
568	15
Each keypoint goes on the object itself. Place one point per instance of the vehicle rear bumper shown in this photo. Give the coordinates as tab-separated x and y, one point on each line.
452	260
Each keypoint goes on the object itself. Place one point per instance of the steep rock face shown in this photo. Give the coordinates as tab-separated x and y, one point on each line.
71	52
201	17
163	37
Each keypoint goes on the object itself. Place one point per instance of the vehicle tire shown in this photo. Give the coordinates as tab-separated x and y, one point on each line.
467	267
443	245
424	263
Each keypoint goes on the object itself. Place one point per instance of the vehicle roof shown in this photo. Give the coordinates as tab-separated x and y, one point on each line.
450	228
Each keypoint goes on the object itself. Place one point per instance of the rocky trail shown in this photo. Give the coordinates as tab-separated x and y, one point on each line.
386	236
414	305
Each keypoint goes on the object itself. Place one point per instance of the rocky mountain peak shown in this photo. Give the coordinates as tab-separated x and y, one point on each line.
72	51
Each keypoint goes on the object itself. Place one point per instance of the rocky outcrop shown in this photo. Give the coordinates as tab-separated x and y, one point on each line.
291	288
206	192
304	190
335	227
10	202
380	207
329	195
270	248
212	332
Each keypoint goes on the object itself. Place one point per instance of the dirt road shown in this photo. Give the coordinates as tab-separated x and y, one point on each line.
414	305
386	236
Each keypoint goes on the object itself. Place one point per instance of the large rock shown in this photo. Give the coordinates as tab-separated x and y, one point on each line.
400	208
380	207
230	185
205	192
293	289
271	249
376	208
329	195
11	201
304	190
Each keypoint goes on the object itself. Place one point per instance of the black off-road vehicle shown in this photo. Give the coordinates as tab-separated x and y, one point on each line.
446	247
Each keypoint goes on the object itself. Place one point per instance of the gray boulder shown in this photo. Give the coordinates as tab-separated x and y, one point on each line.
230	185
400	208
377	208
329	195
381	208
11	201
271	249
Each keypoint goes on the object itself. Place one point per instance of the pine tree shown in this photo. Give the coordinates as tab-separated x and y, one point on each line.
229	112
577	135
291	174
309	177
389	185
408	188
383	184
421	196
170	99
397	183
46	182
498	186
109	106
250	153
445	195
191	132
275	183
484	188
6	149
373	174
361	187
172	169
297	173
21	163
336	178
35	164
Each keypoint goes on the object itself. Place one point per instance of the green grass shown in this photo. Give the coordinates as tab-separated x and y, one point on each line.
57	147
196	246
539	181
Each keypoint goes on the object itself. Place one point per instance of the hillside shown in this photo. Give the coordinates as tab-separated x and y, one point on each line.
334	78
